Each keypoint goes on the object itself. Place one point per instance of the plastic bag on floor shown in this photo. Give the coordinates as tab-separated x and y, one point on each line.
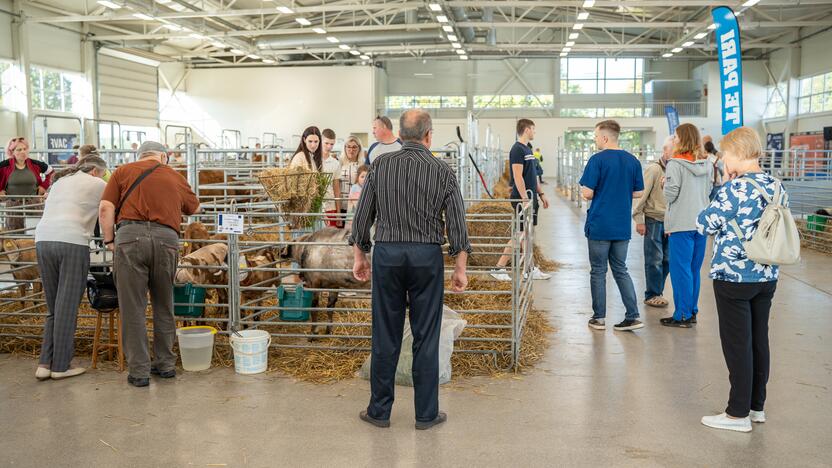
452	326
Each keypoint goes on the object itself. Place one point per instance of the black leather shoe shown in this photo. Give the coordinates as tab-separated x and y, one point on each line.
138	381
424	425
168	374
671	322
375	422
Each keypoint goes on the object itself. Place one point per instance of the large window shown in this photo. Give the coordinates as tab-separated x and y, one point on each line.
577	140
426	102
601	76
776	103
514	101
5	82
815	94
592	112
51	90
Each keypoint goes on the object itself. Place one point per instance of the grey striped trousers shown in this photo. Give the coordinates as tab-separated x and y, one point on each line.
63	269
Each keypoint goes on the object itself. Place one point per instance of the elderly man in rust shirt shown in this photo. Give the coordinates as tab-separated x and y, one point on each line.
145	201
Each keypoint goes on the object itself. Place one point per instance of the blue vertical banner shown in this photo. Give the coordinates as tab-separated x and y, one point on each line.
730	66
672	118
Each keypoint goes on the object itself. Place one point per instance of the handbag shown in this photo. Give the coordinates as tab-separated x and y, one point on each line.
101	286
101	291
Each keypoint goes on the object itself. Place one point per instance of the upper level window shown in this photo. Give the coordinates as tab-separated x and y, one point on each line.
601	76
815	94
776	103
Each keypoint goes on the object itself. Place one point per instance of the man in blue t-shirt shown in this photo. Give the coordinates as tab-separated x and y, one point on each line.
611	179
523	167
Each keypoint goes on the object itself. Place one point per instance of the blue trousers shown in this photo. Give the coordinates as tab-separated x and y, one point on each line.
615	253
687	251
656	258
406	274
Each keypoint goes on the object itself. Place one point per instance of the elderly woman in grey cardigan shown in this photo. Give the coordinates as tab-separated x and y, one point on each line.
62	242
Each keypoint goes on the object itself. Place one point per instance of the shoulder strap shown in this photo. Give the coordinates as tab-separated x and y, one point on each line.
135	184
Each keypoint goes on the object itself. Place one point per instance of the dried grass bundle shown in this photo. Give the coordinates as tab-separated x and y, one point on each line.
301	189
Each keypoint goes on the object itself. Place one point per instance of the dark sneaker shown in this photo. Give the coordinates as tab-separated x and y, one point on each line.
375	422
168	374
693	318
671	322
440	418
138	381
628	325
597	324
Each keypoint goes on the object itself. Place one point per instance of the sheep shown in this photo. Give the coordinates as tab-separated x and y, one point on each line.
325	257
19	252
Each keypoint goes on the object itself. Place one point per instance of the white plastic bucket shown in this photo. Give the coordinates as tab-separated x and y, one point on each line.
251	351
196	346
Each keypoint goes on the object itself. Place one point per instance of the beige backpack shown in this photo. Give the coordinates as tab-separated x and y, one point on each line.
777	240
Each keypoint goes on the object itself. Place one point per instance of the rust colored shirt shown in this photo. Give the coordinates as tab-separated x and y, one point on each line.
162	197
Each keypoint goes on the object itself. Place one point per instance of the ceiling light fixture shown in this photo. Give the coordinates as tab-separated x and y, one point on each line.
355	52
442	18
253	56
218	44
578	26
344	47
677	50
570	43
687	44
566	49
448	29
712	26
455	45
589	3
435	7
303	21
285	10
143	16
701	35
564	54
107	4
667	55
452	38
319	30
463	57
268	61
197	36
237	52
583	15
332	39
574	35
365	57
460	52
750	3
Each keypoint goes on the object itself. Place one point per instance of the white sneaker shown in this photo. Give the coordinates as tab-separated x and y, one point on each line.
71	372
43	373
757	416
539	275
500	275
722	421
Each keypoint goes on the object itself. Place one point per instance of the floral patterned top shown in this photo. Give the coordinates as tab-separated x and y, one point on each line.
738	200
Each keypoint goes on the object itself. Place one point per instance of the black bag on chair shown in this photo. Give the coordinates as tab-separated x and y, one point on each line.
101	292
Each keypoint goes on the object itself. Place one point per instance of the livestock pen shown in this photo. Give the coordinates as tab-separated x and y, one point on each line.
242	289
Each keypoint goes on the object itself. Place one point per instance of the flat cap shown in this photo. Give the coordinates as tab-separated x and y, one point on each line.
151	146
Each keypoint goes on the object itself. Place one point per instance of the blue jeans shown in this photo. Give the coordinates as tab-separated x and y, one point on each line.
615	253
656	258
687	251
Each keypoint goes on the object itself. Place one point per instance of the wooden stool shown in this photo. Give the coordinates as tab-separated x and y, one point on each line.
114	335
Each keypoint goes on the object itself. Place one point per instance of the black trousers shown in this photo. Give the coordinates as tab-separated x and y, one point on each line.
406	274
743	310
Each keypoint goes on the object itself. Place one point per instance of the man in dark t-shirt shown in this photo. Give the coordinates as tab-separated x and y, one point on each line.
523	180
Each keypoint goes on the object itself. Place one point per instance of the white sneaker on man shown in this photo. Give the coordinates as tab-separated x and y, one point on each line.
757	416
71	372
500	275
722	421
43	373
539	275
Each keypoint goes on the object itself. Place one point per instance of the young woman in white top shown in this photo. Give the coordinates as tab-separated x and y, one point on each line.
62	242
308	154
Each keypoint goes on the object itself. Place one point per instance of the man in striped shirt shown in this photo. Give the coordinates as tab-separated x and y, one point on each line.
411	197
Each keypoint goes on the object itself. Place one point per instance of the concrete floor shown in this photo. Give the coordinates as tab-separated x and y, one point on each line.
628	399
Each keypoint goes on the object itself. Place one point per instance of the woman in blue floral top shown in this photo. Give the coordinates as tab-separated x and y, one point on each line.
743	288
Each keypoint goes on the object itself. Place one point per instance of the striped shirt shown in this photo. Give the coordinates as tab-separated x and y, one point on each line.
406	194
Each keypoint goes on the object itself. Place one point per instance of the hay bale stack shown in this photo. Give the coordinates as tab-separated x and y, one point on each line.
487	222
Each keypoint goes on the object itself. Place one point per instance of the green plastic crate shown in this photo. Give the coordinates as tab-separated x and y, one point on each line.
186	294
816	223
298	299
